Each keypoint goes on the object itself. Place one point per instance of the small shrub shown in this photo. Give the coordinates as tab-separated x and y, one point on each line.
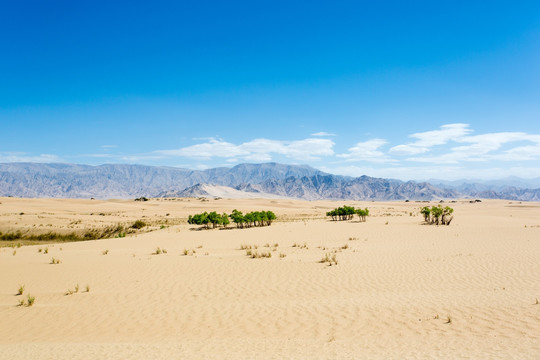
139	224
77	288
158	251
105	252
258	255
21	290
282	255
14	252
87	288
448	319
55	261
330	259
39	250
46	251
21	303
30	300
345	247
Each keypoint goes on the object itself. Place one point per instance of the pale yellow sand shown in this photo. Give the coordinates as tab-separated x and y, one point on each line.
381	300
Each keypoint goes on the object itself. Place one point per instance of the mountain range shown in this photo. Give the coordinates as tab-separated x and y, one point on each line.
243	180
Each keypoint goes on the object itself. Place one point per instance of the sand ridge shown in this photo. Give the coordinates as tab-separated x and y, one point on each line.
396	284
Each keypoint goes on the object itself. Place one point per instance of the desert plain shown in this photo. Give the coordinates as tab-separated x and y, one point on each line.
400	289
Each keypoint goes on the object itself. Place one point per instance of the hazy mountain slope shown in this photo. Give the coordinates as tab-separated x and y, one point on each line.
216	191
124	181
303	182
362	188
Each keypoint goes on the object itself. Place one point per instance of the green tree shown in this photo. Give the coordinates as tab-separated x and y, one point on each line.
426	211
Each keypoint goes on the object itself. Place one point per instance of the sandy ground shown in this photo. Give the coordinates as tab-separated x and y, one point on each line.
396	284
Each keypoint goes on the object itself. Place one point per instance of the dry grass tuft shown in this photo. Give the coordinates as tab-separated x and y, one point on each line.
329	259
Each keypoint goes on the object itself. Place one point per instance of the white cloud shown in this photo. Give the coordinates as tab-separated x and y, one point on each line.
25	157
483	148
323	133
366	151
256	150
428	139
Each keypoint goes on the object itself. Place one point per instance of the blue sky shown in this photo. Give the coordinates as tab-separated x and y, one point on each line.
408	90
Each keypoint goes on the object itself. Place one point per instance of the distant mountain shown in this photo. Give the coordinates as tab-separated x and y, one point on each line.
216	191
482	185
126	181
243	180
510	188
337	187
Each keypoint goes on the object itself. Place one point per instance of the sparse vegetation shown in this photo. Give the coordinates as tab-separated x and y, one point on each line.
87	288
213	219
160	251
105	252
258	255
55	261
139	224
342	213
30	300
437	215
106	232
21	290
347	213
329	259
254	218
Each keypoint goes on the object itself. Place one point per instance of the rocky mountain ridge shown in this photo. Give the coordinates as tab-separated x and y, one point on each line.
245	180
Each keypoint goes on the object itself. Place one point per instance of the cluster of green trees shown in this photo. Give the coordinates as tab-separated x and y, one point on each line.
213	219
209	219
254	218
437	215
347	213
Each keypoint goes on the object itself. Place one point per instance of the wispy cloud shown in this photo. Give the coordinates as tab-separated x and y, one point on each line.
323	134
485	147
25	157
256	150
428	139
367	151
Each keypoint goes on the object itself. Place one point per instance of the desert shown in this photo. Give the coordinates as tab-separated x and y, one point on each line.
398	289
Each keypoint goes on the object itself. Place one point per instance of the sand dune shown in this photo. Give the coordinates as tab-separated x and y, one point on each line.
396	284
